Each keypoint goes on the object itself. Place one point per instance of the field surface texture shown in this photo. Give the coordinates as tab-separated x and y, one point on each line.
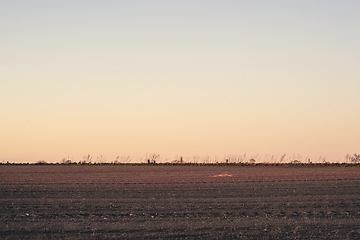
179	202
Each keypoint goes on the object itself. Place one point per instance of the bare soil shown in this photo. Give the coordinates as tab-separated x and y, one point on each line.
179	202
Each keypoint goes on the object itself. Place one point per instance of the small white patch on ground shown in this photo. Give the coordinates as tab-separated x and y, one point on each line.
223	175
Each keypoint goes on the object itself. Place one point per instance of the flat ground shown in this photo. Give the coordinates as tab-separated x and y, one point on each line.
177	202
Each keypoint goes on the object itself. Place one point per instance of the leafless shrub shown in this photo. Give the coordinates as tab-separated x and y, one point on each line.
353	159
86	159
206	160
100	159
196	159
323	160
235	159
253	158
243	158
269	159
153	158
66	161
122	159
295	158
117	160
178	161
282	158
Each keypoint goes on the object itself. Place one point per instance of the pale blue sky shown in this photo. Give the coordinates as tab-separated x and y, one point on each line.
180	78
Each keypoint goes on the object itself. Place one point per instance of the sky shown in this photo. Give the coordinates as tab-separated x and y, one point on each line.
191	79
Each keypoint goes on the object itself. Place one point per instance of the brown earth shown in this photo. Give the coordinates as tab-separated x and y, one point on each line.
179	202
64	174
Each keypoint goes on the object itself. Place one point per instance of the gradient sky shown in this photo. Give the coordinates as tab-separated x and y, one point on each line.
179	78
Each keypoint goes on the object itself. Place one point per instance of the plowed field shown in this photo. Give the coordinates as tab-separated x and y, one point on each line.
179	202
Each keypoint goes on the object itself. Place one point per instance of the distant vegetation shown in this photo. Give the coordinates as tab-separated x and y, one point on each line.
197	164
353	159
154	159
